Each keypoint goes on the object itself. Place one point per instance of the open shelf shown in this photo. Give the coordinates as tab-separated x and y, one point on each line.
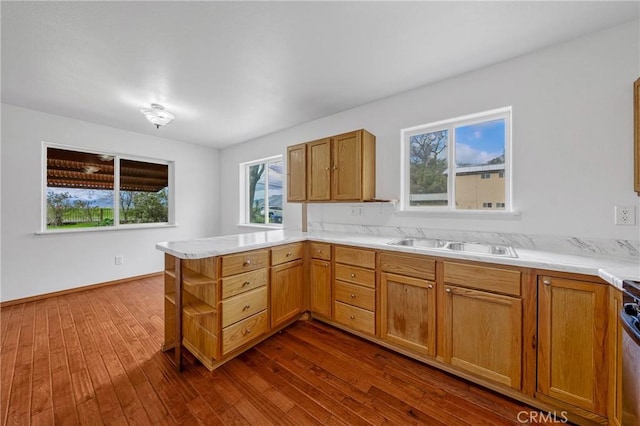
192	278
193	308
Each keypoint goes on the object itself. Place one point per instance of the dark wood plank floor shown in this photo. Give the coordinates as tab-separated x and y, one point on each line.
93	358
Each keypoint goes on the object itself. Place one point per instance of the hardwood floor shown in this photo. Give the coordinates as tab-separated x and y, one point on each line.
93	358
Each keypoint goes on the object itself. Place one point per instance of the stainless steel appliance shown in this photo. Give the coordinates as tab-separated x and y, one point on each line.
630	318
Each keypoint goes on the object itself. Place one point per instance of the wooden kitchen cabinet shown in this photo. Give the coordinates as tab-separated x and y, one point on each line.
338	168
572	329
319	170
408	302
287	283
636	135
296	172
615	353
320	279
199	307
482	329
354	288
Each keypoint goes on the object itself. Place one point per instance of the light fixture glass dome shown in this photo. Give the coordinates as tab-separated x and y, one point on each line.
157	115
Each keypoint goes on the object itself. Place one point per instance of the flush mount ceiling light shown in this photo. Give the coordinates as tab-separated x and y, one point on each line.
157	115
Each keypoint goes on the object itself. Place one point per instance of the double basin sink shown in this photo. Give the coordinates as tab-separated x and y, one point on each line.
461	247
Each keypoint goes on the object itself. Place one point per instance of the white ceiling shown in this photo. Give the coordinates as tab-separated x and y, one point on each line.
234	71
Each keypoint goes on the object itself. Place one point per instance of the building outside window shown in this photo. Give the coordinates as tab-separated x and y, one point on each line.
84	189
452	164
262	184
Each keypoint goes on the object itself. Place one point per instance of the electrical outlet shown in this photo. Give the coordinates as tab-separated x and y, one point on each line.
354	210
119	260
360	211
625	215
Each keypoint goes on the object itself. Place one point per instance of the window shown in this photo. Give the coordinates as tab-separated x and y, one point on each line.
84	189
448	165
262	184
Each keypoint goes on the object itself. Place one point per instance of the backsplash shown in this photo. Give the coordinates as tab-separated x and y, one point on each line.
628	249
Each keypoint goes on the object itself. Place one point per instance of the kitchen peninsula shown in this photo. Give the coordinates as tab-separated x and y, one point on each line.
485	318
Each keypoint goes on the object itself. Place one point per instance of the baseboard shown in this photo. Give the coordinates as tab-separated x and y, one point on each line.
77	289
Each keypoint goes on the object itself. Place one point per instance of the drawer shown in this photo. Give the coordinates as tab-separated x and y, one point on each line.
409	266
356	275
237	284
286	253
243	305
320	251
357	257
356	295
244	331
244	262
355	318
483	278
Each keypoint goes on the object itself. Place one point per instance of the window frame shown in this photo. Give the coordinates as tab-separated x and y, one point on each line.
450	126
244	209
171	214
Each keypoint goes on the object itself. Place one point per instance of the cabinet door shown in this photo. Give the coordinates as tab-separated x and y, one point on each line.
408	311
319	170
296	172
347	167
286	292
572	323
321	287
483	334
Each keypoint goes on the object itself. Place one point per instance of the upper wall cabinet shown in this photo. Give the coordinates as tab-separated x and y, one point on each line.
338	168
296	172
636	131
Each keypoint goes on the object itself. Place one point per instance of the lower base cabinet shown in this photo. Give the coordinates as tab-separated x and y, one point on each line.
320	287
287	286
483	334
572	330
408	312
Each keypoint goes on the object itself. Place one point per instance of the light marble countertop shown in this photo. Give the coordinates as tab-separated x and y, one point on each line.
610	269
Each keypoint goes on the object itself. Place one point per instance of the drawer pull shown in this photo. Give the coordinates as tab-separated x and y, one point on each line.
246	307
325	265
247	262
352	317
246	331
430	286
448	290
246	283
319	251
546	281
288	254
353	296
353	275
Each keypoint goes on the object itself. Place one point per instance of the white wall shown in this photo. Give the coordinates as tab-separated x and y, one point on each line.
36	264
572	139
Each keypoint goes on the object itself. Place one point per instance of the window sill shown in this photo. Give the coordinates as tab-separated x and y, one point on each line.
107	228
259	226
461	214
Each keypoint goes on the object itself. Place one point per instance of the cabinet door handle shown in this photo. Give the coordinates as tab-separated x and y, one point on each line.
448	290
334	168
246	307
353	296
546	281
328	168
325	265
430	286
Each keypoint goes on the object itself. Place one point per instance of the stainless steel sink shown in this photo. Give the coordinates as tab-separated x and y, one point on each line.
478	248
418	243
471	248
